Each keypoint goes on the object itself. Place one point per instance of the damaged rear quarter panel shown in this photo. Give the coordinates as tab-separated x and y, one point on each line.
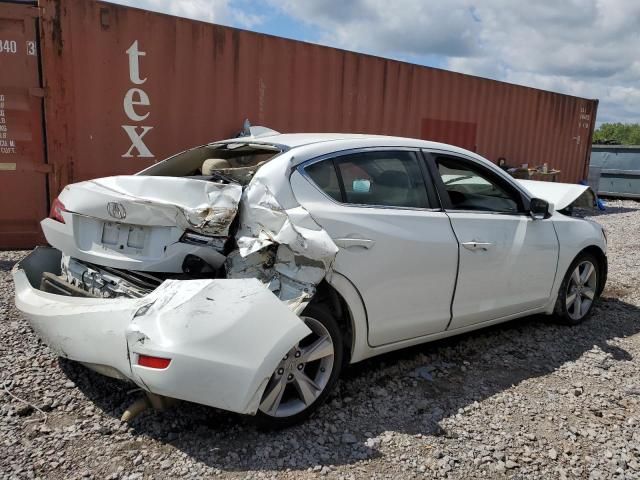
224	337
271	216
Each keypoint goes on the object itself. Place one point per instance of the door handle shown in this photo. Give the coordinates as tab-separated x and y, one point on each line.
473	246
354	242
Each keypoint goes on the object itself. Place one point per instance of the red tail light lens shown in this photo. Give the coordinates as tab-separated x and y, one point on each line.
56	211
153	362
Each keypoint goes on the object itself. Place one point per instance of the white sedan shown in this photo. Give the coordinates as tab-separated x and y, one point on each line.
244	274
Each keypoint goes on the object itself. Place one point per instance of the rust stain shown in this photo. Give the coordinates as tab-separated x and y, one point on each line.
56	27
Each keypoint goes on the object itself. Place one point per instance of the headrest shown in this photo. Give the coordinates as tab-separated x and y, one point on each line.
210	165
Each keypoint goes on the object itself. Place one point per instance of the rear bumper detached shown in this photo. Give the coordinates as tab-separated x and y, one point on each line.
224	337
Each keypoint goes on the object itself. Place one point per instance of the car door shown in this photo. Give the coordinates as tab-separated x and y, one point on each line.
395	245
507	259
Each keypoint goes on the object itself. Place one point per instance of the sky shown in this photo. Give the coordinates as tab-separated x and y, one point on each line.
587	48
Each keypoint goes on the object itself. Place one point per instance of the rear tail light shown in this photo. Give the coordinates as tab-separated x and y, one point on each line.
158	363
56	211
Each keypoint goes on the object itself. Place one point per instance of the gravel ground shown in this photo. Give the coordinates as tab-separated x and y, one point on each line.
524	399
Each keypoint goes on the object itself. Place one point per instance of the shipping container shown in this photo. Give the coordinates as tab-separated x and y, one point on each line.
91	89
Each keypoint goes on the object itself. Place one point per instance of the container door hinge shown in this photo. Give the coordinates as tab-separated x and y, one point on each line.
36	11
36	92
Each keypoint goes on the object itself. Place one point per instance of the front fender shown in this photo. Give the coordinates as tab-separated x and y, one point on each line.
574	235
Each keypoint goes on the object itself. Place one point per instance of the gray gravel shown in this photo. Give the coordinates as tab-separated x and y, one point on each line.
525	399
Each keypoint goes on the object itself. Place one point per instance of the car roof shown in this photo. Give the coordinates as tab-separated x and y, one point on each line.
301	147
292	140
289	141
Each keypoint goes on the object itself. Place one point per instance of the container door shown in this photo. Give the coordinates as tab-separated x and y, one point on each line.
23	192
460	134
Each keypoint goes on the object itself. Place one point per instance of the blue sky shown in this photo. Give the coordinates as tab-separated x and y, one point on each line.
587	48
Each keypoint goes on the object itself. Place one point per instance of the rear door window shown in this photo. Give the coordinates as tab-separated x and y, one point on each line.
324	176
384	178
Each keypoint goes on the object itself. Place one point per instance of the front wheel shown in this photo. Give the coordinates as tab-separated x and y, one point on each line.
578	290
306	375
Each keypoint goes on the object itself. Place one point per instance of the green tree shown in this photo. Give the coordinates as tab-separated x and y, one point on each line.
618	133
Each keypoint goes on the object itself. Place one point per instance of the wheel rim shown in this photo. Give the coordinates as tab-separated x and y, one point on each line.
581	290
302	375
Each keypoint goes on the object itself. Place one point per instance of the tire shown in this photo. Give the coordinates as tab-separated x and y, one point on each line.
582	284
289	397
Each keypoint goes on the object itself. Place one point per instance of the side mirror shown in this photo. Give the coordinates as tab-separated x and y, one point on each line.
539	209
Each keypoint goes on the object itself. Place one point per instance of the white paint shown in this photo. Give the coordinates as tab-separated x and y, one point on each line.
7	145
31	48
165	206
520	259
136	97
406	276
221	349
396	269
8	46
561	195
136	141
134	64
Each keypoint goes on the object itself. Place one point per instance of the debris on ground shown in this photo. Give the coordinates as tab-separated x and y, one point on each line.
527	399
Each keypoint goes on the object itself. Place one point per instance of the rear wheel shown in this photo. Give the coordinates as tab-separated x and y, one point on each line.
306	375
578	290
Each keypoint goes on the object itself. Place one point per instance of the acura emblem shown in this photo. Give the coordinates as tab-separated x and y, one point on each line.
116	210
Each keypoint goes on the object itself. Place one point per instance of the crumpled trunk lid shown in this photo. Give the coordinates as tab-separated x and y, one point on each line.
191	204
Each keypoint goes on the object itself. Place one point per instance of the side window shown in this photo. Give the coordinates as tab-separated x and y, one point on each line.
382	178
324	176
471	188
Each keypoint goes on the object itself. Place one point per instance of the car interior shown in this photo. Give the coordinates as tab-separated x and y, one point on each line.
470	190
223	162
377	178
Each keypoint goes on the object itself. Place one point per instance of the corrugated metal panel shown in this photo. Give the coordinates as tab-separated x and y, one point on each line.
127	87
203	80
619	167
23	194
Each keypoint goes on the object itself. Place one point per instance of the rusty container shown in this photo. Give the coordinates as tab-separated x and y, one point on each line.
23	171
124	88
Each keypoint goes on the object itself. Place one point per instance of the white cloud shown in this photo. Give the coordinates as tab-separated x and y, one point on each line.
586	48
387	27
215	11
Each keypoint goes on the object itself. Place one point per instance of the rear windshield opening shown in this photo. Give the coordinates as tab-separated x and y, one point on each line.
235	162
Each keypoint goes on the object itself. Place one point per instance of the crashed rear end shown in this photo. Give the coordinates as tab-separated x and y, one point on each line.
219	348
187	283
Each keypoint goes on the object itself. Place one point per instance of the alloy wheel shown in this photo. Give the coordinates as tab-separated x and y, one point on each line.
302	375
581	290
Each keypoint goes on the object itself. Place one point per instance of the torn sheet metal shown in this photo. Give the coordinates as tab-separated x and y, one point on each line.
192	204
264	222
224	337
561	195
305	252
